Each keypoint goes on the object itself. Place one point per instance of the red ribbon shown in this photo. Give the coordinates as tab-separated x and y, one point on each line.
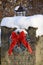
16	39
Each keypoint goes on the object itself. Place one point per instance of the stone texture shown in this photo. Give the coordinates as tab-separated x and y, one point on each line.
39	51
23	58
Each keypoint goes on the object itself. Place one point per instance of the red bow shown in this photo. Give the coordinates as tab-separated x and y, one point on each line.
16	39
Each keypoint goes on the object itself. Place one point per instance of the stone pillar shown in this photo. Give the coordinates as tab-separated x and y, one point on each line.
39	52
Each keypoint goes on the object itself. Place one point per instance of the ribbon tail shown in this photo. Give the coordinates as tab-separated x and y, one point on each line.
12	45
27	45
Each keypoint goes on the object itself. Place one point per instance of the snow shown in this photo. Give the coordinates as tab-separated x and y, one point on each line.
9	22
19	30
23	22
16	8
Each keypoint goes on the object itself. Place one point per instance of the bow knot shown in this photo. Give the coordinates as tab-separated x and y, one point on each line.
16	39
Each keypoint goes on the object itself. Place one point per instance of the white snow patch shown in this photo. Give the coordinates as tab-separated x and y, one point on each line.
24	22
19	30
16	8
9	22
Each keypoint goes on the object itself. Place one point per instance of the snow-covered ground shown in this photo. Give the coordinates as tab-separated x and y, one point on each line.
23	22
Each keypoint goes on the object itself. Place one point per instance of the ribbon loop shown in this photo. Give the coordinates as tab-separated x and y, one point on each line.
16	39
